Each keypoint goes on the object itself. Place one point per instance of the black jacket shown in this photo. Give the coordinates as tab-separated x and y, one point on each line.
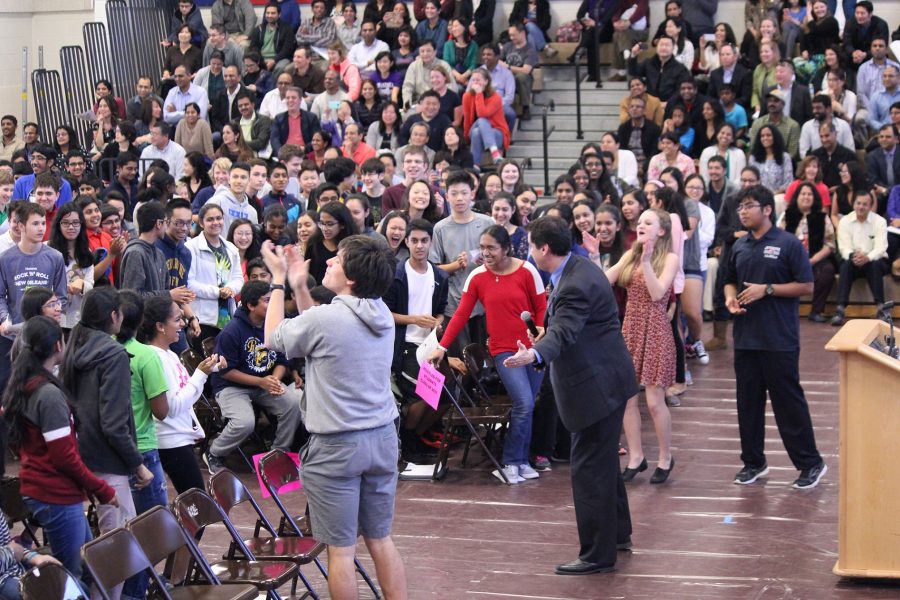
397	300
663	81
520	12
876	166
855	39
484	22
590	368
285	40
649	138
801	103
219	114
829	166
741	79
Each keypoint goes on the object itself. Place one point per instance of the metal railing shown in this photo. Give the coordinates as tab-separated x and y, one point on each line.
546	132
579	52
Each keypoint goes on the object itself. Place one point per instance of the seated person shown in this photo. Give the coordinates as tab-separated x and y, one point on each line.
253	377
862	240
429	112
420	137
417	300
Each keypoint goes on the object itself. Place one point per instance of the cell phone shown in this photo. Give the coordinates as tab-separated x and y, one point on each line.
642	46
709	37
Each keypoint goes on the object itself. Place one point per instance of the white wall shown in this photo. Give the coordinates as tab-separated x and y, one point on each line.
56	23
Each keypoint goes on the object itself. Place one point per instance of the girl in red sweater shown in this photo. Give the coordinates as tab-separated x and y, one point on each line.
506	287
483	121
54	480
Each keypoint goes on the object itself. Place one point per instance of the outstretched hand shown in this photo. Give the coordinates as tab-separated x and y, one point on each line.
522	358
590	242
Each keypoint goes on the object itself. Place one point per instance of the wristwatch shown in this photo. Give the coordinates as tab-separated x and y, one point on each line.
770	289
277	286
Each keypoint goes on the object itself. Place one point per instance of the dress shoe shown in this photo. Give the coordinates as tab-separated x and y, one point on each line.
817	317
661	475
628	474
579	567
626	545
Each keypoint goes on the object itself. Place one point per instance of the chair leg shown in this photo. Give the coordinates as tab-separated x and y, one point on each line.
311	593
365	576
321	568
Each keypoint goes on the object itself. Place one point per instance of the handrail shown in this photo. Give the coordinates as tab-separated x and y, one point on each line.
549	106
579	52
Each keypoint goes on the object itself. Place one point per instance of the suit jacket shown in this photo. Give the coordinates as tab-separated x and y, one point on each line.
219	114
590	368
876	165
649	138
260	132
309	124
741	79
285	40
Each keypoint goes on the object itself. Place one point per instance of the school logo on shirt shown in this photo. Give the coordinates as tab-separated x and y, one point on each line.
259	358
771	252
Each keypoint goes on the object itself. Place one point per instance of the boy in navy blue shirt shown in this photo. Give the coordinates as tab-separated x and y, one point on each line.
254	376
767	273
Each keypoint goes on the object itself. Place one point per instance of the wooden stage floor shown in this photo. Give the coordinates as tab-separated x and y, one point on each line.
699	536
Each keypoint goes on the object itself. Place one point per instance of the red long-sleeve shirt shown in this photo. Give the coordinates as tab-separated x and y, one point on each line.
476	106
504	298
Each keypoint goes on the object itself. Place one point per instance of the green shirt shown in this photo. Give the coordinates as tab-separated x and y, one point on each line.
147	381
268	47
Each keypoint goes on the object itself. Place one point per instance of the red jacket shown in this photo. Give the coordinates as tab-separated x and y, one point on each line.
476	106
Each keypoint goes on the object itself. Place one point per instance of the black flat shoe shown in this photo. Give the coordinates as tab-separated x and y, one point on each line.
580	567
628	474
661	475
623	546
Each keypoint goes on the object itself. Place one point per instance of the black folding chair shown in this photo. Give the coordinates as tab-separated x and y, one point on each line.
50	582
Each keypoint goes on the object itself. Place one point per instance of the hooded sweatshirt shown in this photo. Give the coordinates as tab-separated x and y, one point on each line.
102	391
143	269
233	207
242	345
348	346
178	261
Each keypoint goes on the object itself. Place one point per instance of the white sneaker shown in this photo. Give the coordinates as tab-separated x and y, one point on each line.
702	355
511	472
526	472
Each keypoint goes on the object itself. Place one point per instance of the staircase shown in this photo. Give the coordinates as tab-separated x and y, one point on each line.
599	114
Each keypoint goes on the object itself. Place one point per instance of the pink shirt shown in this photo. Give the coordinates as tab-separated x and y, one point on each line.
678	248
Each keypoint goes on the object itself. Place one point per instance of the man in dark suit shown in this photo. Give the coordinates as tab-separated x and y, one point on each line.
799	104
593	377
883	165
859	33
831	154
224	107
739	76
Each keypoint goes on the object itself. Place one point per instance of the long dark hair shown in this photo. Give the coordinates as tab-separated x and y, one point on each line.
33	301
40	337
430	213
342	215
96	315
398	125
499	233
156	310
82	255
815	220
253	250
132	309
673	202
618	246
759	153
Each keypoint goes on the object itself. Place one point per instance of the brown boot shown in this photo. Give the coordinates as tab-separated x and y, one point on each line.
719	340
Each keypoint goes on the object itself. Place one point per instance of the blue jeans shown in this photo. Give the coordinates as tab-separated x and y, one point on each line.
522	385
848	6
9	589
484	136
66	529
536	36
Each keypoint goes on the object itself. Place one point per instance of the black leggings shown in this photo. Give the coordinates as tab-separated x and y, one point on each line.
679	343
181	465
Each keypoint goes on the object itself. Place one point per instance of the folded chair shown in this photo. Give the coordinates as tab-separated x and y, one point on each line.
116	556
16	512
229	491
163	539
276	469
196	510
50	582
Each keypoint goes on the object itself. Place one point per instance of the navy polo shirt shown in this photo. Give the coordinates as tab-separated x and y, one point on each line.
771	323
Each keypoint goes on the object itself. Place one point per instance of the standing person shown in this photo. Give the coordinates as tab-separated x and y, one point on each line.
97	373
68	237
179	429
506	287
766	274
648	272
455	248
54	480
593	377
348	403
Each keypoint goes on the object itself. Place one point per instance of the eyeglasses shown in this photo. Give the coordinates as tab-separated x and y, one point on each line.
70	224
179	223
695	188
54	303
328	224
748	206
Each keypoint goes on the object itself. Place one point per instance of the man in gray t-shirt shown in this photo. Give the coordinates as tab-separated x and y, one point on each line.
521	57
455	247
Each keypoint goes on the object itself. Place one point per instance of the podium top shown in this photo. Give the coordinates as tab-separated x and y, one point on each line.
858	335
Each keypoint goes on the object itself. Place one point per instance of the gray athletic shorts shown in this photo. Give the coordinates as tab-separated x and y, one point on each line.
350	481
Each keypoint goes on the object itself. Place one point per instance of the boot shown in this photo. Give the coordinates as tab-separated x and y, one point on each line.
719	339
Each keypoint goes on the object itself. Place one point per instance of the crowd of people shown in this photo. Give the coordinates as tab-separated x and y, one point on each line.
295	135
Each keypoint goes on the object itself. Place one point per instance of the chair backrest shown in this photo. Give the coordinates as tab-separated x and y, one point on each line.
276	469
162	538
50	582
114	557
209	345
190	358
196	510
14	507
229	491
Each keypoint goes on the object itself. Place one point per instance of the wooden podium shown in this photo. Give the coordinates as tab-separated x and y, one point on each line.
869	517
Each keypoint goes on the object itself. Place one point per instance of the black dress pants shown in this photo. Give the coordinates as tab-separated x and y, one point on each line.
873	271
778	373
601	502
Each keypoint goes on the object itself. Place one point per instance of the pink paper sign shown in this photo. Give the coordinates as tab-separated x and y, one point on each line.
429	385
288	487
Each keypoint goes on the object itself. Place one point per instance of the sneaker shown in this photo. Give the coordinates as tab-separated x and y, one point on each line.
526	472
541	463
511	472
838	319
749	475
700	350
550	51
816	317
688	378
497	155
673	401
809	478
213	463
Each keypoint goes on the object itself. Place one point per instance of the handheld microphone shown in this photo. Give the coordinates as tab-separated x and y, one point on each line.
887	309
529	322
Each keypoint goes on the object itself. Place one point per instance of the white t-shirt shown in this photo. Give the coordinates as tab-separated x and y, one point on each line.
421	291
